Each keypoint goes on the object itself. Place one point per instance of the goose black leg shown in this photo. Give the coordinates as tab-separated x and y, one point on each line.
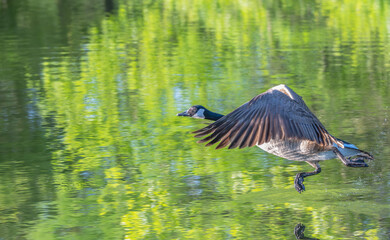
355	162
299	178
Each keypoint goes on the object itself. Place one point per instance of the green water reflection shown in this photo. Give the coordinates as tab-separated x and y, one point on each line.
91	147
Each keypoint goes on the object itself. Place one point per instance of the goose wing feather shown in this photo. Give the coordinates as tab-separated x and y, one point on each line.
270	115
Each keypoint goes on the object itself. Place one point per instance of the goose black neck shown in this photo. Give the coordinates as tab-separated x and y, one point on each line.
213	116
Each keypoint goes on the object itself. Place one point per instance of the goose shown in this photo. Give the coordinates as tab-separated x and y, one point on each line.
279	122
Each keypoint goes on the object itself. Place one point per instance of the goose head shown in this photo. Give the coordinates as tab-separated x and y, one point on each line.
198	111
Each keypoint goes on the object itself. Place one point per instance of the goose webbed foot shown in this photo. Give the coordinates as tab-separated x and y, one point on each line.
299	178
357	162
298	183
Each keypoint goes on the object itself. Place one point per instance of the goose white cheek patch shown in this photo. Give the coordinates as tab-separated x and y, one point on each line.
199	114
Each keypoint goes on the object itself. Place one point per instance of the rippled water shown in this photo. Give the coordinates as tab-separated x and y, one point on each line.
91	148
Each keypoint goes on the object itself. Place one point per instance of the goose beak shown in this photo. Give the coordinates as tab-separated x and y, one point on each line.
183	114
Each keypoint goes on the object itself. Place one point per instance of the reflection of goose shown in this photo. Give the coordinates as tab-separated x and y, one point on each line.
279	122
298	231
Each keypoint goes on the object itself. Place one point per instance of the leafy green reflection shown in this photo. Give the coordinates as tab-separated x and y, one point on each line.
126	167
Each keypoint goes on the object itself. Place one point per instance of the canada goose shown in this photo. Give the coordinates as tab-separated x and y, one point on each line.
279	122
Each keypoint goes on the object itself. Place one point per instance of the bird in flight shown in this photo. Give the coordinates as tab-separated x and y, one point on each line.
279	122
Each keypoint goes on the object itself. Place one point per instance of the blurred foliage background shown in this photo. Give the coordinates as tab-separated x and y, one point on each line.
91	147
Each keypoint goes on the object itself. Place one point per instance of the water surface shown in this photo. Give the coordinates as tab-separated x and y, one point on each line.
91	148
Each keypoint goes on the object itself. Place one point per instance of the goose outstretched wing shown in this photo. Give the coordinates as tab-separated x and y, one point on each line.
272	115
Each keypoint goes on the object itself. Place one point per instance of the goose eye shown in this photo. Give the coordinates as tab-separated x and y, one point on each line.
192	111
